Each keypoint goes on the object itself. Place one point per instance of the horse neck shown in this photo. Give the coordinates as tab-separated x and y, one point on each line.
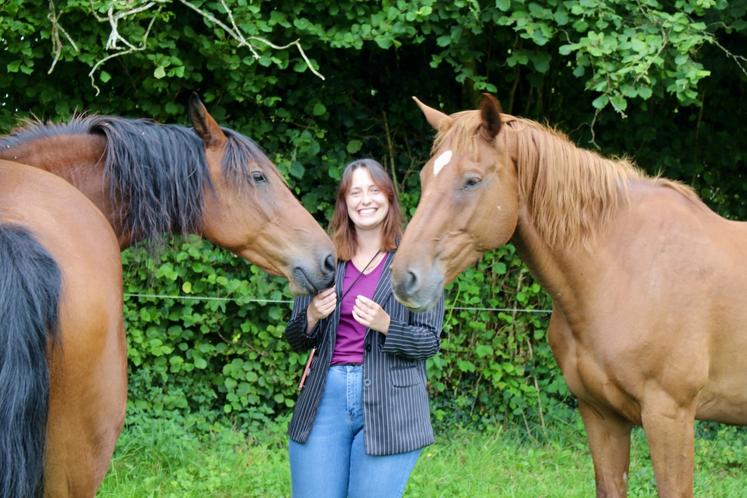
550	266
557	238
79	159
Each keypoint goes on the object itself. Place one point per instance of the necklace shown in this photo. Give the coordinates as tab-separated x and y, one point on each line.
363	271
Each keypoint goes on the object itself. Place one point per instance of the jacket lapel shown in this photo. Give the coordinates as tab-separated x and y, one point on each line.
384	287
339	277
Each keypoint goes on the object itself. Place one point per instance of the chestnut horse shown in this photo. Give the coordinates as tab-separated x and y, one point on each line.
63	368
649	286
148	180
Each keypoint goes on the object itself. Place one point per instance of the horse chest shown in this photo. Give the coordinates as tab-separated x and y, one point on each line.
588	374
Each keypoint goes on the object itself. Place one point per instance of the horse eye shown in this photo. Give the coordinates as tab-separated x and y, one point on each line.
471	182
258	177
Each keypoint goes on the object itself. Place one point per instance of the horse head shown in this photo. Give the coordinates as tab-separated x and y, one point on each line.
469	203
250	210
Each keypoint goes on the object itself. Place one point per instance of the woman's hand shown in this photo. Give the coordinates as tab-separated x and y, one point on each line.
321	306
367	312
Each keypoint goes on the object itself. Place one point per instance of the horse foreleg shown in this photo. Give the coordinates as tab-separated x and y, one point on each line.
609	441
670	431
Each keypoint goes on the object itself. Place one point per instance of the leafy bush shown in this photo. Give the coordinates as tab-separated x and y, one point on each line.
218	350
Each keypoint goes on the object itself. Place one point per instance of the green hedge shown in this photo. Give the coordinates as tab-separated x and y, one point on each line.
219	351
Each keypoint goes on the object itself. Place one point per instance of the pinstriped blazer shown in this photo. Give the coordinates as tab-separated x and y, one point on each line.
395	399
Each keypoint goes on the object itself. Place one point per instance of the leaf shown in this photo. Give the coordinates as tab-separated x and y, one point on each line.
619	103
600	102
160	72
319	109
354	146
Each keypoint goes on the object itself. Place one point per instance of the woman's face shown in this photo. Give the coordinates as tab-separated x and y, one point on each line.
367	204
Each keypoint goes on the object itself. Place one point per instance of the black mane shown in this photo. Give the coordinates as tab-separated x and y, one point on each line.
156	173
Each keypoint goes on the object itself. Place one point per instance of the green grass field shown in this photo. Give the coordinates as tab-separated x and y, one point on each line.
157	458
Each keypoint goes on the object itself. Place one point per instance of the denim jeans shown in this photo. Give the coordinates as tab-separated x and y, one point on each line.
333	463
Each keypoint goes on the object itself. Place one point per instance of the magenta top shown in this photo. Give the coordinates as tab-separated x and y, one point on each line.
351	334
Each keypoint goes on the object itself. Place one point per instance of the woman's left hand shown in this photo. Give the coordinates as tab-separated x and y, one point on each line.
367	312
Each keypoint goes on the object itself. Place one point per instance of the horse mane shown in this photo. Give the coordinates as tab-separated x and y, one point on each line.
570	192
155	172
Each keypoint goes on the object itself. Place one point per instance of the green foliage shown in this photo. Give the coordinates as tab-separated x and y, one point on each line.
216	356
495	362
225	356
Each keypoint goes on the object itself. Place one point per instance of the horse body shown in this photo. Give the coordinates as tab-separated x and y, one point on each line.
142	181
649	286
87	359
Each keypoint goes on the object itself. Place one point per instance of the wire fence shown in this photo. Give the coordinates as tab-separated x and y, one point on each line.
289	301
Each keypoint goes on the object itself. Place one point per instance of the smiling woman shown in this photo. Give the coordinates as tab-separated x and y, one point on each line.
363	416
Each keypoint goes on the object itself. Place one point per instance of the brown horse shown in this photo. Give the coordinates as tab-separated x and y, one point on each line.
649	286
150	179
63	369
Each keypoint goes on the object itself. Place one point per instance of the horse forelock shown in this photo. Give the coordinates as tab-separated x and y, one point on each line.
241	152
461	133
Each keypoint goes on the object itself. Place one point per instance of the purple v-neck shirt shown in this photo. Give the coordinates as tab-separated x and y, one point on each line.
351	334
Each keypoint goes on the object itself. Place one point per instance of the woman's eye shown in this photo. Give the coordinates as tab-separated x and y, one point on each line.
258	177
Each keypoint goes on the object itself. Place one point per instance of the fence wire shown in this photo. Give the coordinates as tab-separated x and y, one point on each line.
289	301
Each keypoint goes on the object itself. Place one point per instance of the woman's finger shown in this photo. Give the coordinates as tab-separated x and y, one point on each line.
360	318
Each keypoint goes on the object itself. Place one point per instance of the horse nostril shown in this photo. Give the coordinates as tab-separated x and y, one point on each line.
410	283
329	264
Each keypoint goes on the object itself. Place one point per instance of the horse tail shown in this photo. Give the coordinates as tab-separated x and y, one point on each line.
30	283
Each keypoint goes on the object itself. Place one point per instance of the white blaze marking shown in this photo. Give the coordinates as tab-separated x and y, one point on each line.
441	161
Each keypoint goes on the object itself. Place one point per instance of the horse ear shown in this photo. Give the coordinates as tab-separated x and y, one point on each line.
490	113
435	118
203	123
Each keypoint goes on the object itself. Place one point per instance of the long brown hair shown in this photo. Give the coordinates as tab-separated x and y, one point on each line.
342	229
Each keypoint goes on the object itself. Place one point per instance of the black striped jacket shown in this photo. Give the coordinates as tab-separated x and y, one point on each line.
395	399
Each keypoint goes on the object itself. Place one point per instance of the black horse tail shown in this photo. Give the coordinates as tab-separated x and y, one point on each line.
30	283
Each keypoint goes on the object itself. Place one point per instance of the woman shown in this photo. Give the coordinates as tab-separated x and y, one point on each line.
362	415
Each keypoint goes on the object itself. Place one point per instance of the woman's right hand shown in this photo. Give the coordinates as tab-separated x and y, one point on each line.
321	306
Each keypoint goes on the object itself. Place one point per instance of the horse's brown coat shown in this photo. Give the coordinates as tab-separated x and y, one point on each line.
649	286
272	230
88	367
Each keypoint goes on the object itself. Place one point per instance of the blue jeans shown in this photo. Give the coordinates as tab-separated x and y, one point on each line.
333	463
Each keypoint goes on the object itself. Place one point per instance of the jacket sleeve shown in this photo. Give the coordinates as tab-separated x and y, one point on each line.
417	337
295	331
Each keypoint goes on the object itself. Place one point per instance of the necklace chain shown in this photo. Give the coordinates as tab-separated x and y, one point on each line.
362	272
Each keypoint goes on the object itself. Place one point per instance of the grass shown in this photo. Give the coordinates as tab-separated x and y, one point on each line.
159	458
